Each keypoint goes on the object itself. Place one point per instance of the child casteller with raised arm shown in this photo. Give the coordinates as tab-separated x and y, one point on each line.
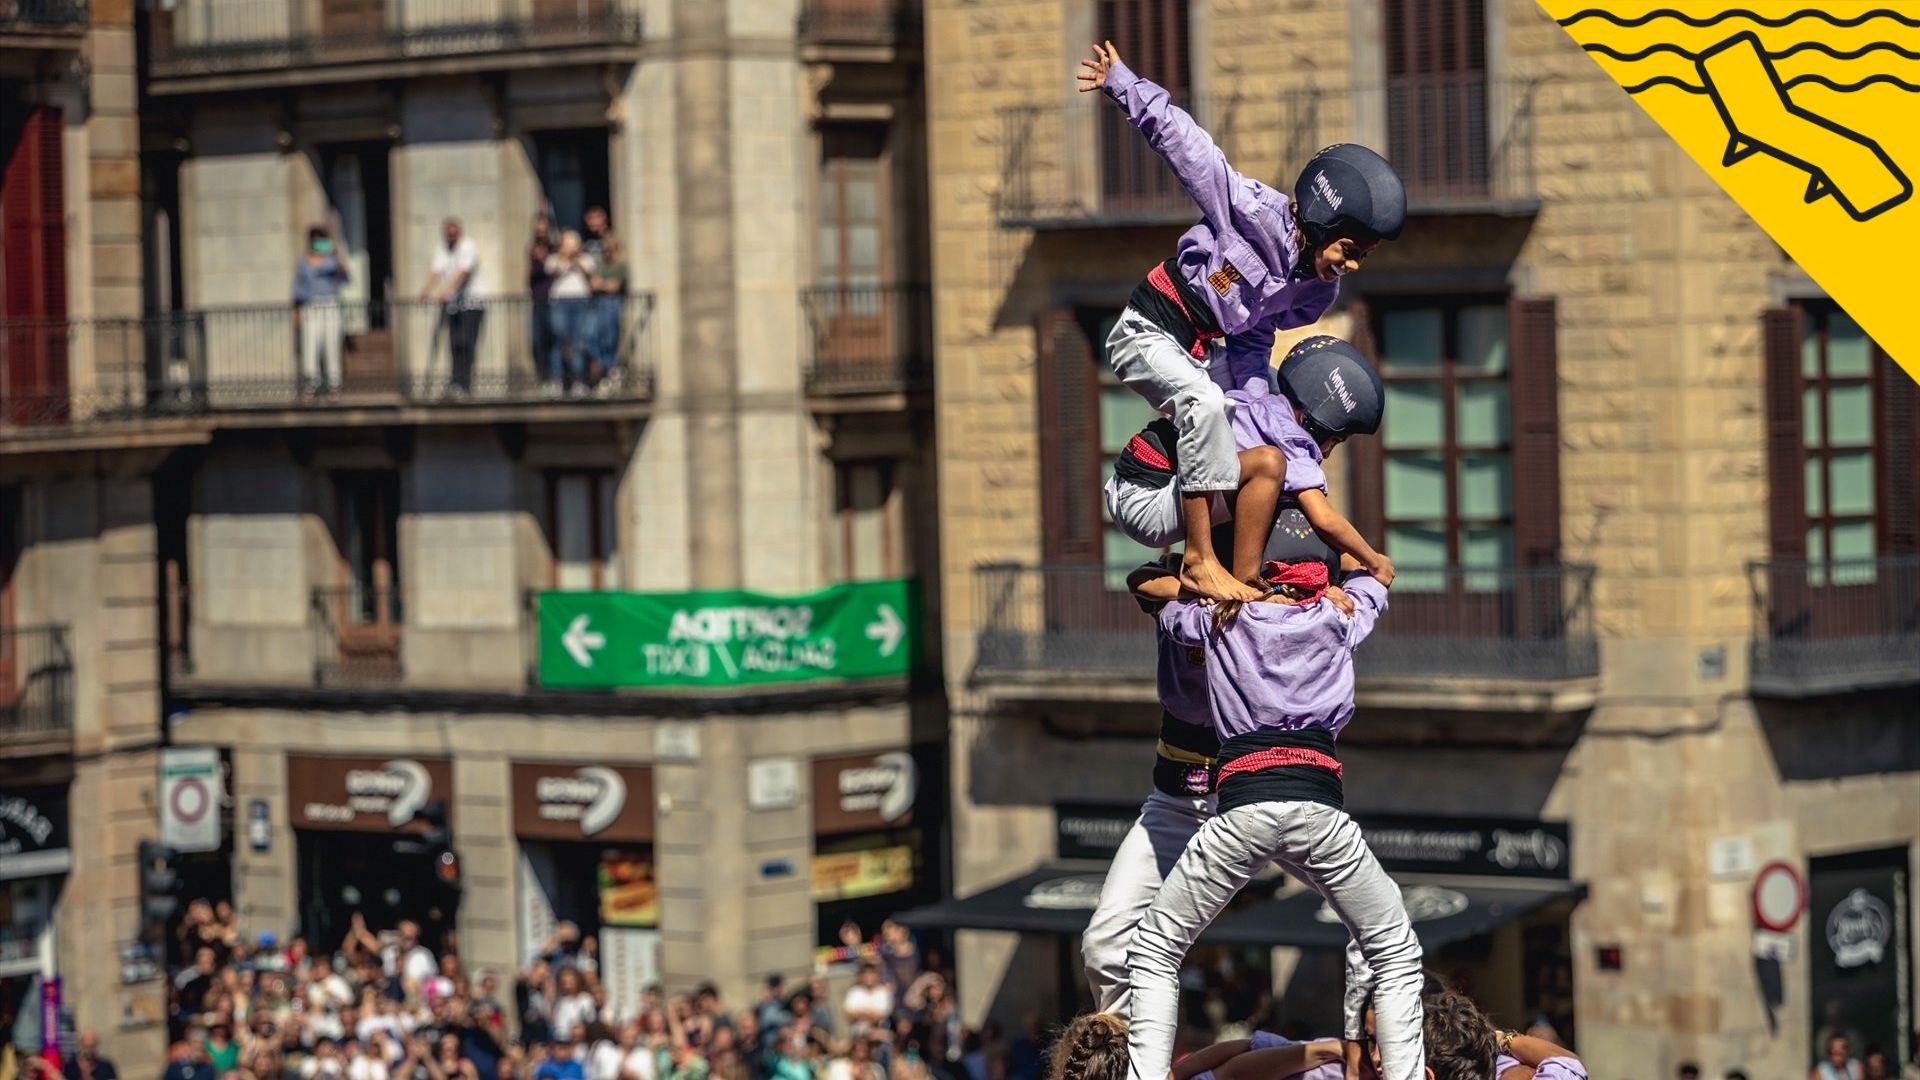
1254	263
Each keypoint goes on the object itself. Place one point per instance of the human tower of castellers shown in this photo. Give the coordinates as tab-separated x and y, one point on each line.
1257	623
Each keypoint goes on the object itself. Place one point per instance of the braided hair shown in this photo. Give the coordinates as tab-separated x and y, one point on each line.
1091	1047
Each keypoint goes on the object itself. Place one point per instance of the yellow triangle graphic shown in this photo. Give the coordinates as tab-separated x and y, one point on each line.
1807	112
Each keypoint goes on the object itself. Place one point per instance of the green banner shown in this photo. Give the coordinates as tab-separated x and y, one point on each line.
603	640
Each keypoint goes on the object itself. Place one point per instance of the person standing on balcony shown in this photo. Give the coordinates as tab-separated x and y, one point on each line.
571	299
1256	262
598	230
609	305
453	286
317	280
539	286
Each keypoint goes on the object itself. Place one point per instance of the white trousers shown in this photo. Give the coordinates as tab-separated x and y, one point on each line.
1322	847
1139	868
1191	391
320	345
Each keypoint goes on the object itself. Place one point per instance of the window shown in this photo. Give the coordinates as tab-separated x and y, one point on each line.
1472	417
1152	36
582	529
851	246
1436	63
574	174
33	275
1842	446
368	539
1447	453
9	558
866	536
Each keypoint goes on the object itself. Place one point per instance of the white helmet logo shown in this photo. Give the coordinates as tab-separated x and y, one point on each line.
412	796
607	803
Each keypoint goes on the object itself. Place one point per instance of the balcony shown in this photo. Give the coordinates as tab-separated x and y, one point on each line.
1463	144
1835	627
846	27
356	637
1518	638
243	367
36	24
1082	165
239	43
869	347
36	688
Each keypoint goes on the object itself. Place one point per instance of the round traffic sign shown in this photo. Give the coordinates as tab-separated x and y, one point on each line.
1779	897
189	800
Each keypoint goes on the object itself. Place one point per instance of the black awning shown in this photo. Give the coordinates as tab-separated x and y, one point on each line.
1444	910
1057	898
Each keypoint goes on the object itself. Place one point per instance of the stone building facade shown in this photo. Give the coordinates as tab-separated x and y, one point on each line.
1609	609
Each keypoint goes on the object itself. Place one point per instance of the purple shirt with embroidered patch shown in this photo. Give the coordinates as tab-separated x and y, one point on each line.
1264	418
1244	256
1280	666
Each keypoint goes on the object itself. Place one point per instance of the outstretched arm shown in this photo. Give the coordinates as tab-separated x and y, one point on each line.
1197	163
1212	1057
1281	1061
1335	529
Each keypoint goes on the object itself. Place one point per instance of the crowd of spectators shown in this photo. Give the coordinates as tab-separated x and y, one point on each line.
389	1006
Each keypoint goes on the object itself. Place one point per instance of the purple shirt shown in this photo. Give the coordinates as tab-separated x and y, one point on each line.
1182	679
1243	254
1264	418
1267	1040
1280	666
1554	1068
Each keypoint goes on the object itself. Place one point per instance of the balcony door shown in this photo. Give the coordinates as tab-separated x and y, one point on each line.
854	235
9	558
1844	508
366	606
1153	40
33	264
350	21
358	187
1436	84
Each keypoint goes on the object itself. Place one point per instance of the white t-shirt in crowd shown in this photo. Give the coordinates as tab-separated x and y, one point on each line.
447	262
643	1063
568	1011
416	967
862	1001
604	1059
316	1069
570	280
366	1067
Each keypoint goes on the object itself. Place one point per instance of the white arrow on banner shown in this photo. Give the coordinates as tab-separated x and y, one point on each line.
580	642
887	630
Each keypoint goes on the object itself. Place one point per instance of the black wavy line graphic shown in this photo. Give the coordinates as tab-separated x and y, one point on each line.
1798	80
1804	46
1715	20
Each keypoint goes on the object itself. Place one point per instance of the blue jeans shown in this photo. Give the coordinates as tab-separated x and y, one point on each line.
607	309
572	321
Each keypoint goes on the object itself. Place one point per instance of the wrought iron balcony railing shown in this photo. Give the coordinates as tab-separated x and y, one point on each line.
357	636
211	37
1461	143
1505	623
43	16
859	22
497	351
36	683
866	339
1832	627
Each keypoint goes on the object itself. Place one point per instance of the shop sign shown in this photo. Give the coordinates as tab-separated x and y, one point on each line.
583	802
1490	846
366	794
608	640
1081	892
863	792
1859	934
850	875
33	833
1090	831
1858	930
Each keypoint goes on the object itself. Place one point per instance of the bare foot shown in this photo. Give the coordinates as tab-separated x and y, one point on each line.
1211	580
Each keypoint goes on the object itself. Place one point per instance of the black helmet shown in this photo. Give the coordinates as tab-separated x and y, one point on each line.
1348	190
1294	541
1336	388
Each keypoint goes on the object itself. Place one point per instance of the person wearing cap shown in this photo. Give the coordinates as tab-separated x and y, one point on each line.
1284	425
1256	262
1279	689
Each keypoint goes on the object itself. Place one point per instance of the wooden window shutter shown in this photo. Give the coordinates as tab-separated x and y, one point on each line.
1534	388
1899	443
1786	459
1069	441
1366	508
